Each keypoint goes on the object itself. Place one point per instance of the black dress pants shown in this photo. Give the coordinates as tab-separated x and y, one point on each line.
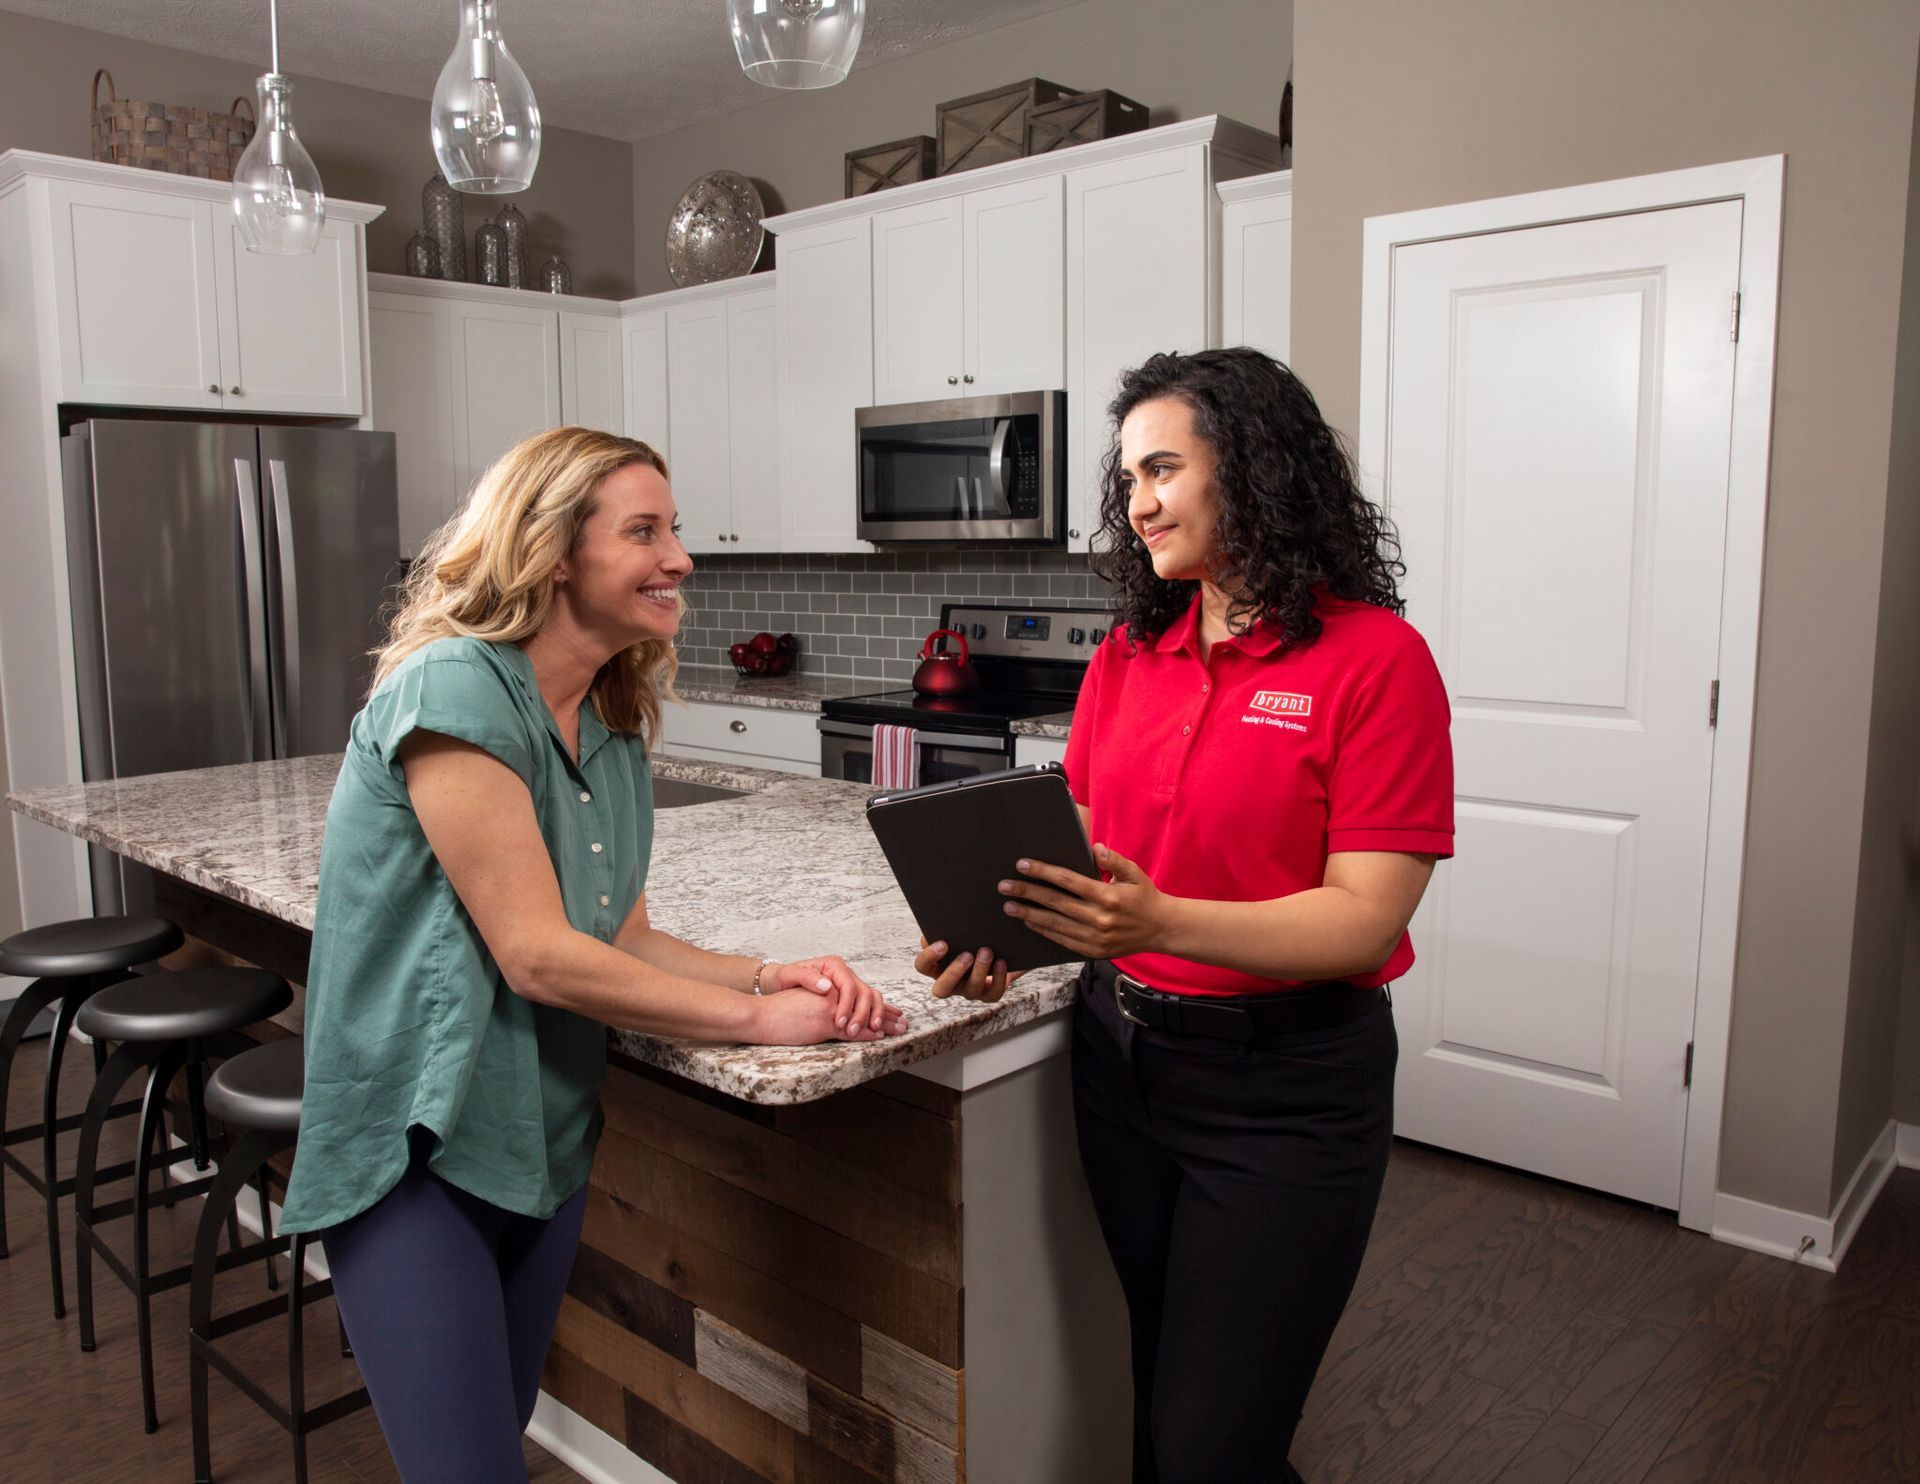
1235	1187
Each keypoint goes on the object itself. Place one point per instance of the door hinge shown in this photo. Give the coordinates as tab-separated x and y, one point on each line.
1733	330
1713	704
1686	1076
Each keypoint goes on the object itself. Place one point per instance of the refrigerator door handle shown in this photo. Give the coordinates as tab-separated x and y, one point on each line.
286	683
254	620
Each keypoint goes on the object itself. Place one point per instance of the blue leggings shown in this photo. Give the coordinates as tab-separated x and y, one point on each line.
450	1304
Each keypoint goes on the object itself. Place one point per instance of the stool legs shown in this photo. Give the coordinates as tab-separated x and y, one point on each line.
121	1066
49	1115
33	999
154	1105
297	1362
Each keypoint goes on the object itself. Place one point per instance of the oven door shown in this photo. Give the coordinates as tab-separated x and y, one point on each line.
972	469
846	753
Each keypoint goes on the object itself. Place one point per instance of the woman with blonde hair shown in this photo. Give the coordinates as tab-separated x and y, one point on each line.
482	920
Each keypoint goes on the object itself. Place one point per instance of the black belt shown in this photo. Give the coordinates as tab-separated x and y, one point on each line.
1237	1017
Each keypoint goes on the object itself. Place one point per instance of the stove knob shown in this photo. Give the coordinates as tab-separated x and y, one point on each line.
979	631
1098	635
1076	636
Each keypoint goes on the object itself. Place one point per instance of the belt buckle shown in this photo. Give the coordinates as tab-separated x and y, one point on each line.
1120	982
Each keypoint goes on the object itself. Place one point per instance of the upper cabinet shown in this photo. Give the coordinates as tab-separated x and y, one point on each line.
968	294
592	370
157	303
723	426
1256	263
825	365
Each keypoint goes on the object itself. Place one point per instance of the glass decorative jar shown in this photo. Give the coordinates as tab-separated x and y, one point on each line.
423	256
556	277
490	254
514	223
444	211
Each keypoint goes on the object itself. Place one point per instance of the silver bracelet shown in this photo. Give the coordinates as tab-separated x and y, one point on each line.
760	969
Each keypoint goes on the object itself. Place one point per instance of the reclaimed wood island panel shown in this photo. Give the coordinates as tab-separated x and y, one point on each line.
846	1263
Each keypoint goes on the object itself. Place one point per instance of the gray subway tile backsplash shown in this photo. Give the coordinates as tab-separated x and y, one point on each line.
865	615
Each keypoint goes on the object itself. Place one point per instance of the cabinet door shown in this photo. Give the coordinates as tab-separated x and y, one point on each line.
134	297
826	370
1137	282
1015	286
412	399
590	372
290	325
1256	273
697	417
753	402
506	381
918	347
646	368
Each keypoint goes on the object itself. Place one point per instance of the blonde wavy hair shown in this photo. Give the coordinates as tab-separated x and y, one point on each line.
488	572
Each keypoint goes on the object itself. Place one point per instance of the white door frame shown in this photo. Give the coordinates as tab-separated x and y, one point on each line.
1758	185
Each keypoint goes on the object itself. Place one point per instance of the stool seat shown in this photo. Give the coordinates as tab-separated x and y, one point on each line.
87	945
260	1088
185	1005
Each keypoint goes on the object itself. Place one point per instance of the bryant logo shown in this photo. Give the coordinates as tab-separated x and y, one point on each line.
1281	703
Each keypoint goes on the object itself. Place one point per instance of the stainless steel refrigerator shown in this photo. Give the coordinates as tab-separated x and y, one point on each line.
227	581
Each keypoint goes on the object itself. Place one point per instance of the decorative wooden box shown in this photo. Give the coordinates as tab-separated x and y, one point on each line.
990	128
1081	119
881	165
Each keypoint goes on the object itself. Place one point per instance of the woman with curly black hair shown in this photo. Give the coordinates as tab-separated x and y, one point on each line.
1260	752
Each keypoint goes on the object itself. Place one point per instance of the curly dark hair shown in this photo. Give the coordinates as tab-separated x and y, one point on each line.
1293	521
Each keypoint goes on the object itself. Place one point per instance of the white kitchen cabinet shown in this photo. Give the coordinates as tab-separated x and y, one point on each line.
753	407
697	415
1256	263
158	304
757	736
645	333
592	371
1029	750
504	383
968	294
1137	282
408	349
825	372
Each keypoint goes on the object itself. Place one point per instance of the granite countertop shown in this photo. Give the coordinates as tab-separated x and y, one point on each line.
794	692
788	869
1054	724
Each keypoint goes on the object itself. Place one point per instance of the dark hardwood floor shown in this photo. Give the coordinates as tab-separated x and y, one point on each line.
1505	1330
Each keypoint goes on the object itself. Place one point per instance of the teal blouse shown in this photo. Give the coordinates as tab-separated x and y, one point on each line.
409	1022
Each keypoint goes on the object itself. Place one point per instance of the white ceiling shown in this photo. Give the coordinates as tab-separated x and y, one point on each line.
626	69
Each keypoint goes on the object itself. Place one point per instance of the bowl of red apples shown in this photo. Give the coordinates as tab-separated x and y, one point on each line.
764	654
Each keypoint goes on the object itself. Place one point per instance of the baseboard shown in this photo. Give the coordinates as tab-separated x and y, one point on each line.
1906	1145
1814	1241
594	1455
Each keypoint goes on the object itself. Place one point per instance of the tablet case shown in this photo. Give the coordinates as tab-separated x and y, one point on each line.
951	844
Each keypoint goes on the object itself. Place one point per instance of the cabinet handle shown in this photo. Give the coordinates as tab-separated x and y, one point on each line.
1073	535
215	388
968	380
233	391
736	726
955	381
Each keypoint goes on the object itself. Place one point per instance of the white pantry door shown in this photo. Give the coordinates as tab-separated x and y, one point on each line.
1556	461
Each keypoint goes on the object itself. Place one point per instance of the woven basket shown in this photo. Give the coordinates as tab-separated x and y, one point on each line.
157	136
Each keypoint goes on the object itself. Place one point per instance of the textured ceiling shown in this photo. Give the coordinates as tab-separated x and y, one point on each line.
627	69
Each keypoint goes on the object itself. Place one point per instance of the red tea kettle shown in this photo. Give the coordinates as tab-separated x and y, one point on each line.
943	674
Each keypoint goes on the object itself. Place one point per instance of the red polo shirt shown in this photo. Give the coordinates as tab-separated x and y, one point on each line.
1233	778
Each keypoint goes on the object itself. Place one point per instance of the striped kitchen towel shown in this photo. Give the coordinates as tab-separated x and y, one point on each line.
896	758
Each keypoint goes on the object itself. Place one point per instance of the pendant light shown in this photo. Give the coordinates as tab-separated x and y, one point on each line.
796	43
278	200
486	126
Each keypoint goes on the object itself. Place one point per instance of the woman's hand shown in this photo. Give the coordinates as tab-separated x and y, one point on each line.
857	1005
972	976
806	1017
1126	913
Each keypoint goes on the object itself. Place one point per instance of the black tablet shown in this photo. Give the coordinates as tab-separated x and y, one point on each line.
952	844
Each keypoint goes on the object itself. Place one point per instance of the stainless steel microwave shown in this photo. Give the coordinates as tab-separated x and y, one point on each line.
966	469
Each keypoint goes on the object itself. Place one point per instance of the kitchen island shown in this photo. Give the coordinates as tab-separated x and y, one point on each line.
844	1262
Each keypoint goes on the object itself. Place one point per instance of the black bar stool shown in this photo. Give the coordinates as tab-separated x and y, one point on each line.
162	1024
68	962
259	1092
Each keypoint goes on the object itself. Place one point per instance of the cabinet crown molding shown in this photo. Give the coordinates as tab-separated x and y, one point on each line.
1255	187
486	293
17	165
1237	148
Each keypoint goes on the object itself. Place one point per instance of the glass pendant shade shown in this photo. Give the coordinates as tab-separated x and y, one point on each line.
277	197
486	126
796	43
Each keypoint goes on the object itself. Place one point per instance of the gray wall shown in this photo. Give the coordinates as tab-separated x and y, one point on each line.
1406	106
1182	61
369	146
